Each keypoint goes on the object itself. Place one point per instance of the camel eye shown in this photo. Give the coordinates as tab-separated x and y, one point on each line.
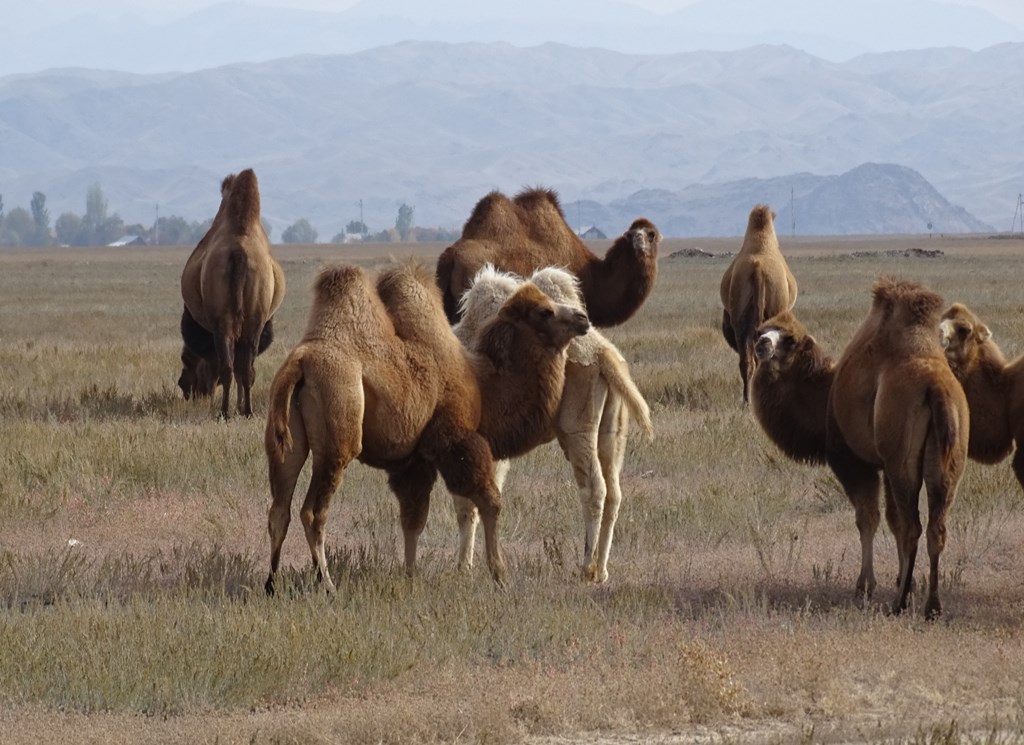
651	235
547	314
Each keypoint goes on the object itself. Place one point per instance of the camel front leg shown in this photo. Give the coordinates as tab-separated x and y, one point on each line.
467	516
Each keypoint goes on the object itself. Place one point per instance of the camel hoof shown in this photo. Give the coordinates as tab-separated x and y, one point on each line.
592	574
932	610
268	586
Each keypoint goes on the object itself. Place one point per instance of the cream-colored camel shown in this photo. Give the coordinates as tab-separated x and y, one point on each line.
895	405
756	286
379	376
994	387
232	286
592	422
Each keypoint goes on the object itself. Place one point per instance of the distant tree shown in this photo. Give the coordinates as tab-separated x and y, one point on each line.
385	236
1	206
299	231
403	223
19	229
41	218
173	230
198	229
356	226
68	228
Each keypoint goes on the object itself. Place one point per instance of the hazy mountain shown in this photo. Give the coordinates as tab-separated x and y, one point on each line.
439	125
231	32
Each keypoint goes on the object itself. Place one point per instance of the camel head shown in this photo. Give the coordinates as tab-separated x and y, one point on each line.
197	375
644	237
783	343
962	334
550	323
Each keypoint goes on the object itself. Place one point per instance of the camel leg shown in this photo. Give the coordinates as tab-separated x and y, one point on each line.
467	516
746	370
894	518
245	373
727	331
904	492
611	449
412	485
328	471
941	480
468	471
225	370
580	449
1018	465
283	476
861	483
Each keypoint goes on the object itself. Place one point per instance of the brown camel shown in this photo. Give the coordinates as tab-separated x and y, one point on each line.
887	405
756	286
529	232
994	388
592	423
232	286
379	376
896	405
199	356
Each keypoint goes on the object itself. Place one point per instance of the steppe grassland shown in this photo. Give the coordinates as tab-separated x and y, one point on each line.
728	612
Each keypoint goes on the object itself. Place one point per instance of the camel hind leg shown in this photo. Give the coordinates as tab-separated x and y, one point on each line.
283	475
245	372
941	481
902	492
225	369
862	485
611	452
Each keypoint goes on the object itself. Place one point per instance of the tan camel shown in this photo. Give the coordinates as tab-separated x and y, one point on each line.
529	232
592	423
198	376
756	286
232	286
379	376
895	405
994	387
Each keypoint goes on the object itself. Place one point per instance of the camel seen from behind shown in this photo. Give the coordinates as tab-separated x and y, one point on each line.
232	286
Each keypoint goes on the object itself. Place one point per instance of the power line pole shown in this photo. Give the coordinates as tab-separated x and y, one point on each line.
1018	211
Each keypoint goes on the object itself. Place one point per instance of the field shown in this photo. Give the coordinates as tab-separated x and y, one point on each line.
133	545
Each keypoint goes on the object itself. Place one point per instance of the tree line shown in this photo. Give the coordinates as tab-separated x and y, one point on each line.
98	227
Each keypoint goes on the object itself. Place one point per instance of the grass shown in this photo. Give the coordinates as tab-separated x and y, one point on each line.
133	548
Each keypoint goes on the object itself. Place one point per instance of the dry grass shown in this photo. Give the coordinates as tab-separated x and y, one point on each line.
728	616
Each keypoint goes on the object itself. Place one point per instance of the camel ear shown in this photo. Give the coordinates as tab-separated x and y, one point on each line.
984	334
497	343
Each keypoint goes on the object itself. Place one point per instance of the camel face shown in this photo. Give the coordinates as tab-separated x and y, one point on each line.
644	236
962	333
553	324
782	341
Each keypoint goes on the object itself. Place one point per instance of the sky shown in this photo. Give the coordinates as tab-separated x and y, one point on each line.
55	10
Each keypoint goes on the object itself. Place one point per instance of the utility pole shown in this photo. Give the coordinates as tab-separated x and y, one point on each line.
1018	210
362	225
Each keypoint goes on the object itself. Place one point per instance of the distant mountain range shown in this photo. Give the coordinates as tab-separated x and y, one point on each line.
691	140
230	32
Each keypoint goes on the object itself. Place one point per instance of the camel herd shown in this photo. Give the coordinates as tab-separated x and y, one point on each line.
456	371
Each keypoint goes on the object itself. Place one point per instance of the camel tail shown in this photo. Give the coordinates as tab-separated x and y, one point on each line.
945	424
616	372
238	267
445	265
279	436
753	314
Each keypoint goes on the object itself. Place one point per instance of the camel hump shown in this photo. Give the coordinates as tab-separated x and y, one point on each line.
411	298
559	285
338	280
761	218
537	197
493	206
243	200
905	301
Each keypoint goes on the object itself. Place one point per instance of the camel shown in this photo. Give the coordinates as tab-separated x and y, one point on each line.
592	423
888	405
895	405
994	387
379	376
232	286
530	232
756	286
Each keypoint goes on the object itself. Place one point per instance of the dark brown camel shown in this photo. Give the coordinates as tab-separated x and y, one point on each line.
529	232
994	388
232	286
379	376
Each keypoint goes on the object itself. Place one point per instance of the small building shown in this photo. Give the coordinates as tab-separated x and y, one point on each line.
128	240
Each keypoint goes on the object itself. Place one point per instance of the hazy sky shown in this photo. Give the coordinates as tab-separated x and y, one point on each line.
53	10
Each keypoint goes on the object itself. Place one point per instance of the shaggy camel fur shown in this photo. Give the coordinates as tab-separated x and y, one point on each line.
379	376
756	286
529	232
896	406
994	388
232	286
592	422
